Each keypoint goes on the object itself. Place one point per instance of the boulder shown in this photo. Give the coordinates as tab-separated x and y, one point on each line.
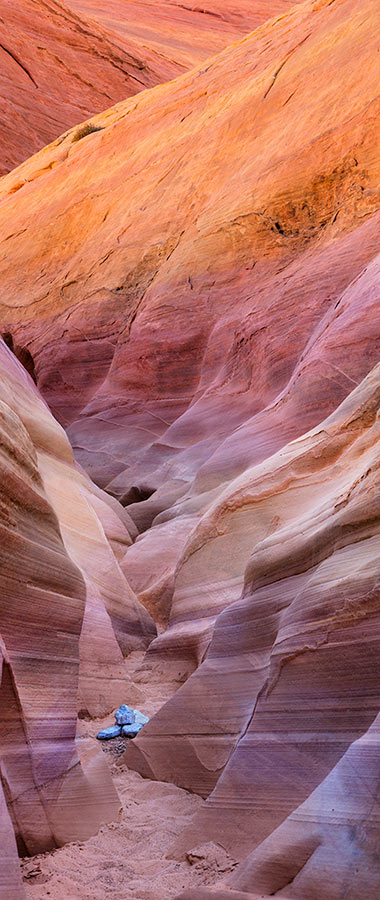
131	731
124	715
107	733
140	718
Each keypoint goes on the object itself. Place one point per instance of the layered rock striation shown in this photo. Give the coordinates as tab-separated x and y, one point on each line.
63	596
183	34
57	69
200	287
290	679
326	848
194	286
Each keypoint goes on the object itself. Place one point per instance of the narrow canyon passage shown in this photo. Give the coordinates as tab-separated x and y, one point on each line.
190	449
131	857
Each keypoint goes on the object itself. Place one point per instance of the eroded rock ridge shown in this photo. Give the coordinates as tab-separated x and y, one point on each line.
194	288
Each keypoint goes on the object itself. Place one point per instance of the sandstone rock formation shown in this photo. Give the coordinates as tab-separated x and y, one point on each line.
62	591
10	876
62	62
57	69
158	289
327	847
91	524
194	286
291	676
183	34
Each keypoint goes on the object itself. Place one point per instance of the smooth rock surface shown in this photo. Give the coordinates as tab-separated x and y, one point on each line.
11	887
327	848
114	622
64	62
57	69
52	793
290	683
183	34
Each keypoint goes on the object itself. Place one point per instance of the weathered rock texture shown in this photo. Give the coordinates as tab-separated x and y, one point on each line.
183	34
291	677
10	876
61	592
327	848
57	69
63	62
195	288
198	285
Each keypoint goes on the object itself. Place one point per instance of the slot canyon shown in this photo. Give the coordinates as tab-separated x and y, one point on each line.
190	449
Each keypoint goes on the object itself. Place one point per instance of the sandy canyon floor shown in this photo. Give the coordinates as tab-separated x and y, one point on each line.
130	858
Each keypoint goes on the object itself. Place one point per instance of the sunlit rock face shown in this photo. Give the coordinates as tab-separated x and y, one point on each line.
57	69
62	596
199	286
183	34
63	62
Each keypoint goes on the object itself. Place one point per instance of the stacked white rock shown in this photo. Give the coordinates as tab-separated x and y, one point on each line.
128	724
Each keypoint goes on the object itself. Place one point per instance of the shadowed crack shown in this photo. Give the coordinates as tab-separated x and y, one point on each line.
17	61
281	66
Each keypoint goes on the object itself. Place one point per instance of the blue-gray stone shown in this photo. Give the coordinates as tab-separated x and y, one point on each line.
140	718
108	733
130	731
124	715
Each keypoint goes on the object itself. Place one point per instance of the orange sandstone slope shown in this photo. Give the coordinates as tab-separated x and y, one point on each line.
156	262
182	33
59	66
57	69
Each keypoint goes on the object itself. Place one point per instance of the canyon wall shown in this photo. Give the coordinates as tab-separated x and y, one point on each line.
57	69
326	848
62	62
290	681
199	289
183	34
63	596
193	284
